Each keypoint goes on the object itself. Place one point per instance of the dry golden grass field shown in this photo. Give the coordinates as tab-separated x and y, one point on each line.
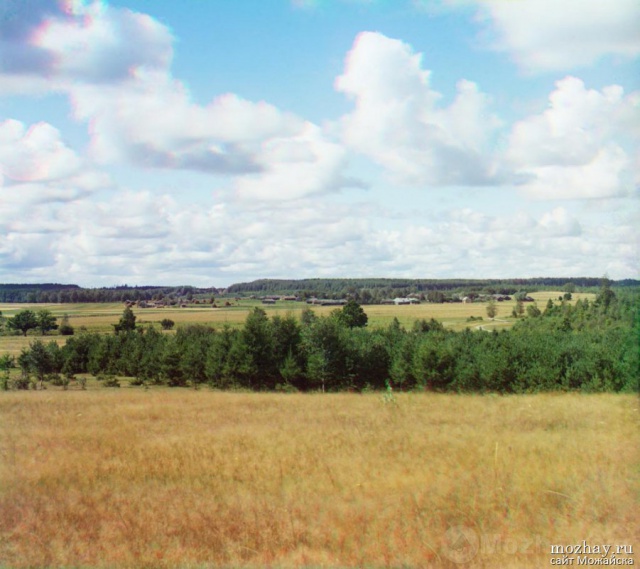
100	317
192	479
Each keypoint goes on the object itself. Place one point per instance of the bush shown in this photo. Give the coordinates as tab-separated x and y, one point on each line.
66	330
108	380
286	388
22	383
7	362
533	311
57	380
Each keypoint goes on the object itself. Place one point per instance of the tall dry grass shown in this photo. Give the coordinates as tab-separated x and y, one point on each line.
193	479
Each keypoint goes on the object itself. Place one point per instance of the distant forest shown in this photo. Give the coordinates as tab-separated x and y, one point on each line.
375	289
365	291
64	293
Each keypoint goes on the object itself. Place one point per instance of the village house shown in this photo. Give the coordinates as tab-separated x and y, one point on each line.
406	300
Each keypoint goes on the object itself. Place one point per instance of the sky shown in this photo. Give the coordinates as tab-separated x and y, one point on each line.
209	142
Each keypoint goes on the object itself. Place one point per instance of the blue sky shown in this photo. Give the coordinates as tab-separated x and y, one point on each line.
211	142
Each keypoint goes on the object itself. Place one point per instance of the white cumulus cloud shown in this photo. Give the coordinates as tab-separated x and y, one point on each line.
77	41
34	154
580	146
151	121
274	212
398	123
551	35
125	236
114	64
296	167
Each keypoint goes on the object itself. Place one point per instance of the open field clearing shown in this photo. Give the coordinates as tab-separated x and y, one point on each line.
176	478
101	317
14	344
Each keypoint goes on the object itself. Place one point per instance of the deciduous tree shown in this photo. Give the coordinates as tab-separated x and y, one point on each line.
492	309
352	315
23	321
46	321
40	361
605	296
260	342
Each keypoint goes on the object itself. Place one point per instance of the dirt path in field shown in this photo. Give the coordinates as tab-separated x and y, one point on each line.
481	326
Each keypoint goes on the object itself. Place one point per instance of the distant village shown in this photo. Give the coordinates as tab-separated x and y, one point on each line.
274	299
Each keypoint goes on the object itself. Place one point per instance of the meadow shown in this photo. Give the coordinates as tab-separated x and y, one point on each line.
184	479
99	317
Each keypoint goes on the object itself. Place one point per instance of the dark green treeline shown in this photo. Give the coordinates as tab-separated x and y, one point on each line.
585	346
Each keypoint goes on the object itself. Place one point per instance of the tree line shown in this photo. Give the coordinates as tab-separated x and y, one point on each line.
589	346
60	293
341	288
363	291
